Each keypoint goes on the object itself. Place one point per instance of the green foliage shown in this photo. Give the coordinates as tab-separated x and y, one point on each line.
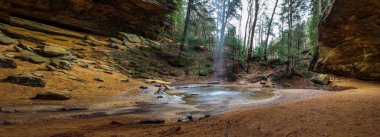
178	17
179	62
235	45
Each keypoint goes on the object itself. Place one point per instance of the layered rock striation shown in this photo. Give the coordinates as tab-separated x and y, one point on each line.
105	17
349	40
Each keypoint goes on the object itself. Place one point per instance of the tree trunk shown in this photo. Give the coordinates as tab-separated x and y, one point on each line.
268	31
248	23
288	68
250	50
187	20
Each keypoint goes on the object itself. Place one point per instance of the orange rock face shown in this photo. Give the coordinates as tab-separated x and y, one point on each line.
349	40
97	16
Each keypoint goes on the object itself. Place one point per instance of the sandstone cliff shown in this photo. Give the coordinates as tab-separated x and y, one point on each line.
142	17
349	40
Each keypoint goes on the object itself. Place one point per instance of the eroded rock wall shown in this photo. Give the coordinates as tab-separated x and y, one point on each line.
105	17
349	40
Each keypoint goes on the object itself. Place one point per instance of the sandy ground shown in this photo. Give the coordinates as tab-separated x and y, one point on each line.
348	113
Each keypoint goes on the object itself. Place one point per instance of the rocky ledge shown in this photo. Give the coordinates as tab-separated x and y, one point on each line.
349	40
142	17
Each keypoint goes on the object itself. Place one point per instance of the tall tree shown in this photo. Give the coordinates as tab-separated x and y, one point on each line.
250	50
187	20
269	30
290	23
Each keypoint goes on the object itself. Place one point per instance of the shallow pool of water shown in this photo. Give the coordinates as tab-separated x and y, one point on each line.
196	100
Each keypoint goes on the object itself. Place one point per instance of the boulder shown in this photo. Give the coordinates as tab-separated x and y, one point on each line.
142	17
6	62
26	80
52	50
53	95
349	42
33	57
7	40
320	79
130	37
62	64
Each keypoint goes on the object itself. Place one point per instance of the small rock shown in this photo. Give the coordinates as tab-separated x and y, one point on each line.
115	40
53	95
7	40
167	87
50	68
26	80
25	46
241	83
157	85
214	82
69	58
143	87
130	37
89	37
160	91
114	122
286	85
6	62
151	121
125	80
63	64
73	108
16	49
108	72
6	122
160	96
85	63
113	45
38	74
102	87
8	110
52	50
72	78
99	79
80	55
104	67
186	118
82	43
33	57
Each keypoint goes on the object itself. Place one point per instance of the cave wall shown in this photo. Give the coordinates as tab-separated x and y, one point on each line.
104	17
349	40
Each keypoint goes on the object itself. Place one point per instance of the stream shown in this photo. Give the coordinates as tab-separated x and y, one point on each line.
196	101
